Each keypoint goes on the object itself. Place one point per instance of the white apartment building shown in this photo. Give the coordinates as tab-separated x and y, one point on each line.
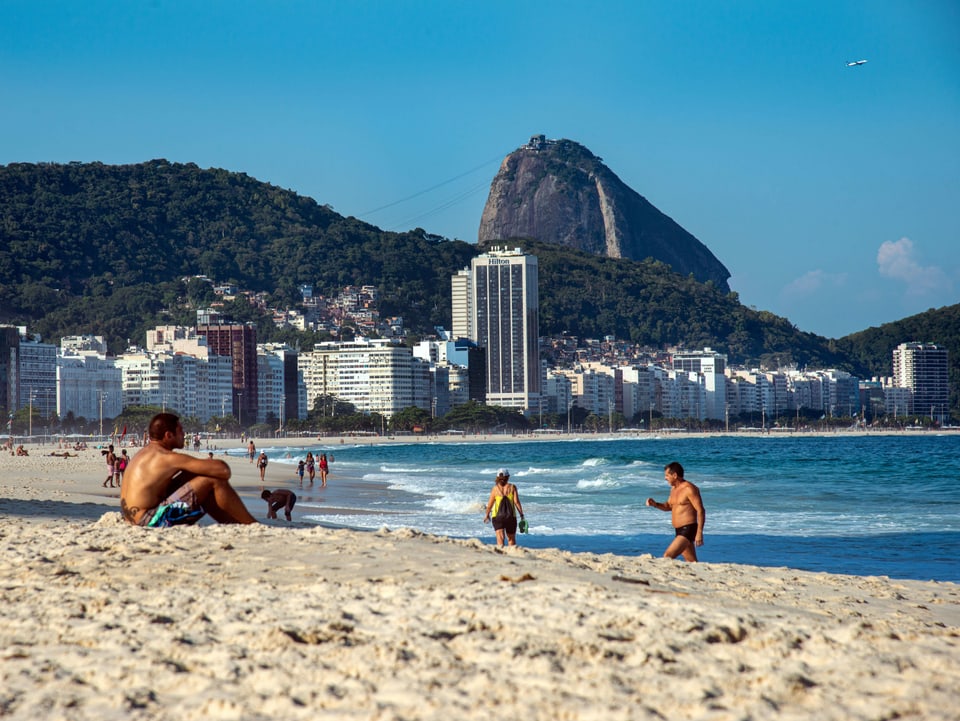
89	385
593	387
462	305
711	367
897	401
180	383
558	393
74	344
281	390
270	387
376	376
638	391
923	368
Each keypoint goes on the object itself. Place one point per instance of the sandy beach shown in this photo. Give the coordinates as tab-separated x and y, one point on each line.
282	621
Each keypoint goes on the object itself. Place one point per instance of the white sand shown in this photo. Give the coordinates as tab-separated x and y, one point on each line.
99	620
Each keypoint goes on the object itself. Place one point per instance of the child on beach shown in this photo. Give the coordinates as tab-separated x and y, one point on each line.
300	468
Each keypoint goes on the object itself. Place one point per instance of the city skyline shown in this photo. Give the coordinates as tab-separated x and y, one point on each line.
819	185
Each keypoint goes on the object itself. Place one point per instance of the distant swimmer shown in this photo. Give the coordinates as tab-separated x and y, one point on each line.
854	63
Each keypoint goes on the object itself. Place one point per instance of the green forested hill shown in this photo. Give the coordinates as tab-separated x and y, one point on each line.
93	248
871	349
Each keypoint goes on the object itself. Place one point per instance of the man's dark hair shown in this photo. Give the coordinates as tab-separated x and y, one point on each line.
265	495
675	467
161	423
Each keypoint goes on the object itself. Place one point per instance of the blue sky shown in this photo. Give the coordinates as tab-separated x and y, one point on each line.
832	194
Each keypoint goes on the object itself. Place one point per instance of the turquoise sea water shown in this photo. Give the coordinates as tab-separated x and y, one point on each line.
854	504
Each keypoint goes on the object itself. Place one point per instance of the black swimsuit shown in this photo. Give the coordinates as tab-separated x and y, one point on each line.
689	532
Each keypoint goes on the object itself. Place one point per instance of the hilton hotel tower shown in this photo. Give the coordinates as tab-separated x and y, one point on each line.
495	304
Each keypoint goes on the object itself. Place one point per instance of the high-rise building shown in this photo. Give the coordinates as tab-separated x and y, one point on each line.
239	342
280	383
711	367
9	368
461	305
922	367
37	375
504	306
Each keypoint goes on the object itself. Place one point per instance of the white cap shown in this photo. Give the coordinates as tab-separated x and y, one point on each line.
503	472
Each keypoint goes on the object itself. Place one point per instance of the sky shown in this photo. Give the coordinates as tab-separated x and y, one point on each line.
831	193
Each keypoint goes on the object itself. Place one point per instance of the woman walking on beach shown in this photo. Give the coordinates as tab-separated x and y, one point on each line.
262	465
311	467
121	466
504	504
324	470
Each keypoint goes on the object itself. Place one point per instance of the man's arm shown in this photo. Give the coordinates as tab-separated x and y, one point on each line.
212	467
661	506
697	502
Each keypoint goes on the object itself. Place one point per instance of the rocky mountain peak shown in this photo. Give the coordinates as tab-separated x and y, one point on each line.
557	191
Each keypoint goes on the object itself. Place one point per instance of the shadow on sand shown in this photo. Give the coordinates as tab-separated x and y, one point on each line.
56	509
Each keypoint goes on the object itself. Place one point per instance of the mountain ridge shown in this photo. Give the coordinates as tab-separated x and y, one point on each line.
94	248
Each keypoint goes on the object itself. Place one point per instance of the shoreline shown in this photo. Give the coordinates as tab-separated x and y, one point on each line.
108	621
308	441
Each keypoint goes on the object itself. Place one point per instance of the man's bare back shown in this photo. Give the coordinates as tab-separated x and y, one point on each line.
157	471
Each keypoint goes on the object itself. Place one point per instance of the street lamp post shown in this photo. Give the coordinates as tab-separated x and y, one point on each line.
102	396
30	420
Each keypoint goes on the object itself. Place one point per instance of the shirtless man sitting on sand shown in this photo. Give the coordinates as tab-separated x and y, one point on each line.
686	508
164	488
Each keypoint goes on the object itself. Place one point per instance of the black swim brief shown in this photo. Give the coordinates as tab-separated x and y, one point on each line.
689	532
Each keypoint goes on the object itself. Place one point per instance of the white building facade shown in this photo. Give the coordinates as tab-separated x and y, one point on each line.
375	376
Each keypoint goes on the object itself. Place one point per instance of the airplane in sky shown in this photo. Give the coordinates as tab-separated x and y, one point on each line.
854	63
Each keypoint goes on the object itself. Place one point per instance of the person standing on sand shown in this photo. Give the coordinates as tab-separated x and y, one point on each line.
311	467
122	462
276	500
166	488
687	511
324	470
251	451
262	465
504	503
111	467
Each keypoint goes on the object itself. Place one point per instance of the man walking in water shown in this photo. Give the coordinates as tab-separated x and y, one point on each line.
687	512
166	488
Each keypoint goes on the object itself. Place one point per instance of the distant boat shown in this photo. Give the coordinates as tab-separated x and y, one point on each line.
854	63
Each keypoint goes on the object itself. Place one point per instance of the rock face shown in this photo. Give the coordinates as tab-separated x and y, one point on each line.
559	192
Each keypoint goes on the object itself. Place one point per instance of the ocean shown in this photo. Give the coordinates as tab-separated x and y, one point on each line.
862	504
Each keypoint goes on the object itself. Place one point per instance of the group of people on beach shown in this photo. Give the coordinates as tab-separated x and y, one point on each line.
166	488
116	467
310	465
684	504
